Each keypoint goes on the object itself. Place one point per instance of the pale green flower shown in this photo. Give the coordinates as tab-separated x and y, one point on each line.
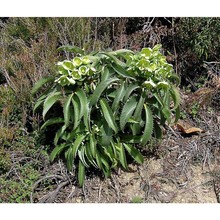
68	65
63	80
83	70
71	81
86	60
163	85
76	74
77	61
149	84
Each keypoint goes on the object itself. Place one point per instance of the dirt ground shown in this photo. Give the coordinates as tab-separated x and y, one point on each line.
179	169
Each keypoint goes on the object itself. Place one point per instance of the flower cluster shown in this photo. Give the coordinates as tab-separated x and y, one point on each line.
151	66
75	70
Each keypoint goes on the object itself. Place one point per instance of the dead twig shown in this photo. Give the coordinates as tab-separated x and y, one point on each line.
49	198
45	178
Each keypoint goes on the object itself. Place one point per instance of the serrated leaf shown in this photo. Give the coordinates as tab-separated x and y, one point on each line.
106	134
81	154
121	71
131	139
175	96
116	61
90	157
121	154
127	112
77	143
92	144
59	134
76	108
66	109
57	150
108	115
98	160
50	101
129	90
40	83
148	125
137	116
99	90
136	155
177	114
69	159
83	102
52	121
118	97
81	174
105	166
105	74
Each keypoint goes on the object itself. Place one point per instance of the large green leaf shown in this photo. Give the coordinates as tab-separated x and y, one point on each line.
89	156
66	109
132	87
108	115
177	114
69	159
83	102
76	144
99	90
127	112
114	59
52	121
106	134
121	71
81	173
40	83
59	134
137	116
148	125
137	156
105	73
121	154
81	154
57	150
76	108
112	155
176	96
118	97
50	100
92	144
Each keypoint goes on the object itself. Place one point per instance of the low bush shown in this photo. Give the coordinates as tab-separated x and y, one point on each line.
112	103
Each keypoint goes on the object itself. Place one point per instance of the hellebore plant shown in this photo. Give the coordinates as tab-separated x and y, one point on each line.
113	103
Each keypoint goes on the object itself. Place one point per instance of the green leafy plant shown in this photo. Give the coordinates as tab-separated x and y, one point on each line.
112	102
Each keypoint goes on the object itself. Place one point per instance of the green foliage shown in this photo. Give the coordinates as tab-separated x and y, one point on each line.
111	101
21	162
137	199
18	190
201	35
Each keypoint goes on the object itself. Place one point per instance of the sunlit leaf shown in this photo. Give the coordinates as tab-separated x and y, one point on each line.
108	115
137	156
50	101
148	125
127	112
